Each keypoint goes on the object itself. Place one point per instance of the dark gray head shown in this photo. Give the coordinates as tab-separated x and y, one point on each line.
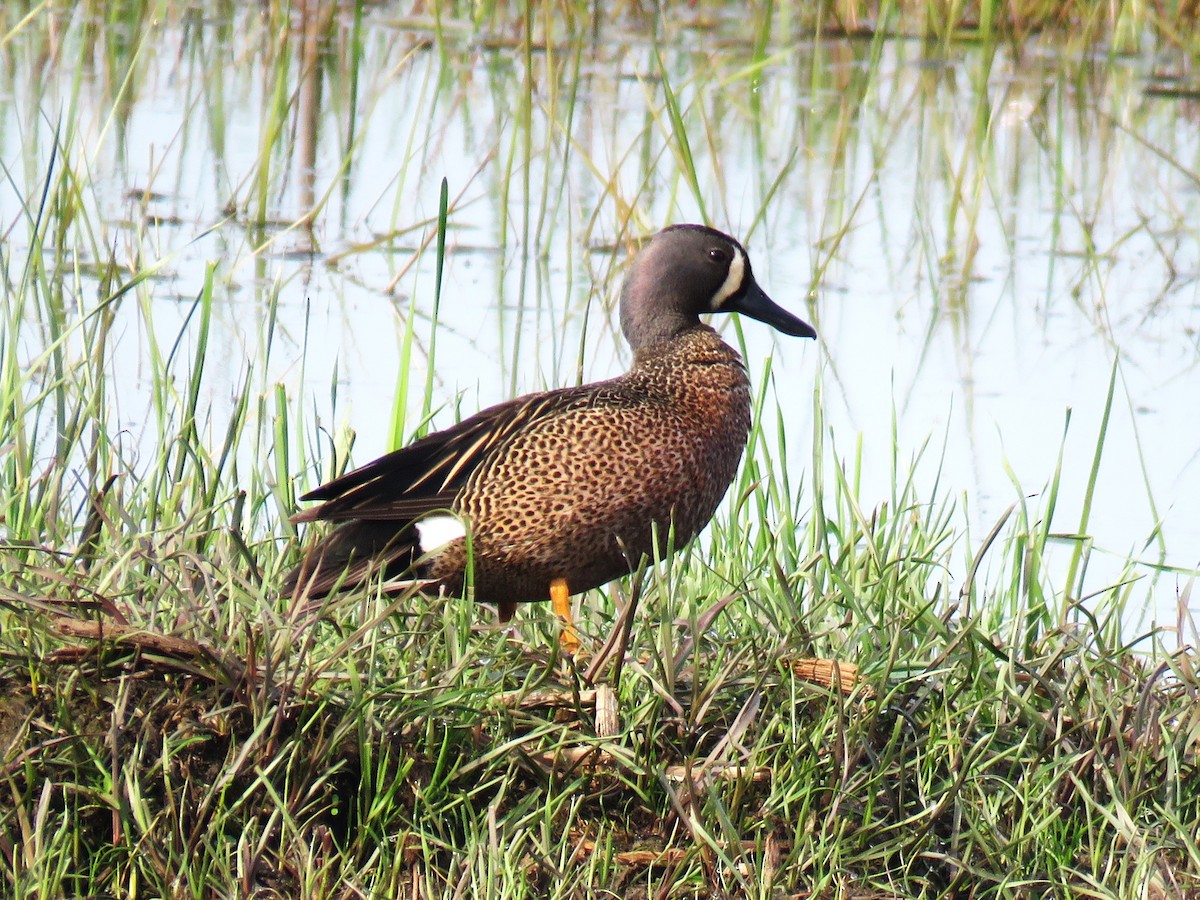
687	270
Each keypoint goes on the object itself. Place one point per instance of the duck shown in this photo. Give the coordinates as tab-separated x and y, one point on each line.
558	492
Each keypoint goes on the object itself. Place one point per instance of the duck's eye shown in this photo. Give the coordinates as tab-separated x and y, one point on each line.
716	254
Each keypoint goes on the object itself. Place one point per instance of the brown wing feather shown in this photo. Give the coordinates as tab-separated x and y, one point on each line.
427	475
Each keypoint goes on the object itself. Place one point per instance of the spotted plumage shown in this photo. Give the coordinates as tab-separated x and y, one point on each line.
569	485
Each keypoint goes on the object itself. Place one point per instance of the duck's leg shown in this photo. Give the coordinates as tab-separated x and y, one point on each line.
504	613
560	598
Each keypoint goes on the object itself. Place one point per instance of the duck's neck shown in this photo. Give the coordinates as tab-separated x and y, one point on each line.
684	344
649	320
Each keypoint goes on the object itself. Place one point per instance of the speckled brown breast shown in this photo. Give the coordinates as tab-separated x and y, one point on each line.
578	494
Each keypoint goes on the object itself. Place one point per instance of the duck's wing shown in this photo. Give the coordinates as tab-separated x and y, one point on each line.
427	474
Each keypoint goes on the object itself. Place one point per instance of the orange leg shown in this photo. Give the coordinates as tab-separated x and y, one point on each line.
560	597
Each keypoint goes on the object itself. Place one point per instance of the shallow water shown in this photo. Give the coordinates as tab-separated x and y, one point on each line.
992	231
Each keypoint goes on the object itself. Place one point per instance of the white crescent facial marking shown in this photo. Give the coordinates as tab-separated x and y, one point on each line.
733	281
435	532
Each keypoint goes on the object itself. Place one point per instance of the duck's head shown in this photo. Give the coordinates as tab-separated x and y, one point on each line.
689	270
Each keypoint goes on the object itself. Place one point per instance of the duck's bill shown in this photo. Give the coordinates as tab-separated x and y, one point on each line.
757	305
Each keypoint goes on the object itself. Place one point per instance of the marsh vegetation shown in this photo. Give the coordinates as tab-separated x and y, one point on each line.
245	247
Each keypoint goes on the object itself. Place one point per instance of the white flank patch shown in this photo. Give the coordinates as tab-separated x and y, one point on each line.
434	532
733	281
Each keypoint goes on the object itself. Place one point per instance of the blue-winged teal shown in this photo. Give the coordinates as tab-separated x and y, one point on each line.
563	491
